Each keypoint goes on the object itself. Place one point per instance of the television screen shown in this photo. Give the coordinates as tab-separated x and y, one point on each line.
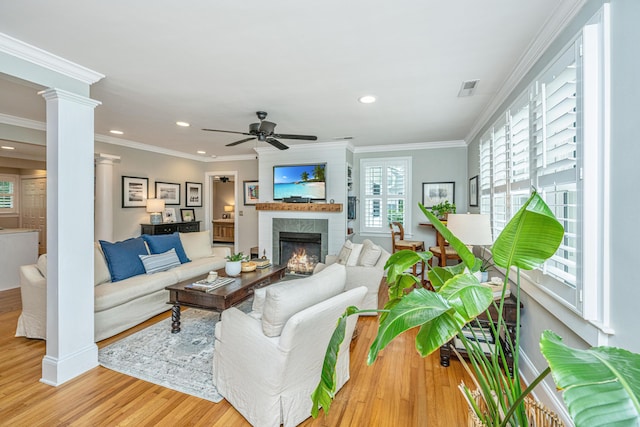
299	181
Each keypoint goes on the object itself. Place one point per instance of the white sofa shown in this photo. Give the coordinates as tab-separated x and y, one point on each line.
268	362
364	264
122	304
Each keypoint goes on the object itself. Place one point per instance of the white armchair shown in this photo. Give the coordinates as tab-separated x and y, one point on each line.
269	380
362	272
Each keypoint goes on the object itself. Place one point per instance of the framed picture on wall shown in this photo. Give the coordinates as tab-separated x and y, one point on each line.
169	192
193	194
473	191
434	193
134	192
251	192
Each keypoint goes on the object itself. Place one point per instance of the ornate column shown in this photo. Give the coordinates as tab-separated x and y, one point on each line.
104	196
71	349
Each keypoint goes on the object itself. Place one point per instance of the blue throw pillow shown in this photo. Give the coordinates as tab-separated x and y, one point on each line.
122	258
163	242
160	262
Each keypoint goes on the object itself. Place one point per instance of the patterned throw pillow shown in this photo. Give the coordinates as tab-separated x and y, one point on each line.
345	252
160	262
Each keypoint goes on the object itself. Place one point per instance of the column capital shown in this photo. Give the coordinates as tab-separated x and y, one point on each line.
53	94
106	159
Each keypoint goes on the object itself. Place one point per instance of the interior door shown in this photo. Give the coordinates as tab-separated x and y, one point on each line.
33	208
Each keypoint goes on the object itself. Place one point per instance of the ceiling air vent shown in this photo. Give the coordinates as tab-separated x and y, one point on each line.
468	87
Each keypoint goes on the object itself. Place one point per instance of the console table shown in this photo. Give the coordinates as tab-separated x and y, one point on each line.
170	227
509	315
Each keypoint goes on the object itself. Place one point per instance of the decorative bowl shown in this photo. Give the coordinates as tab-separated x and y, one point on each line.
248	266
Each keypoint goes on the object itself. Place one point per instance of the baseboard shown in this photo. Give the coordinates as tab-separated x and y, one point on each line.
56	371
543	392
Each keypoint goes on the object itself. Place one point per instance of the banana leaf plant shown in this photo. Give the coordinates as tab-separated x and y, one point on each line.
602	385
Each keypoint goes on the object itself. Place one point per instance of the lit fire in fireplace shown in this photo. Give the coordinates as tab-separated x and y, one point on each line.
301	263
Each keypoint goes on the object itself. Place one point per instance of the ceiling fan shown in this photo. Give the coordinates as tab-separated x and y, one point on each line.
263	131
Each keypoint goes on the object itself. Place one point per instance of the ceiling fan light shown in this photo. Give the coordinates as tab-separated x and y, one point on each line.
367	99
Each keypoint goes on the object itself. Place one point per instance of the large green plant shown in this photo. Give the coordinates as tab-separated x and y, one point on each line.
602	384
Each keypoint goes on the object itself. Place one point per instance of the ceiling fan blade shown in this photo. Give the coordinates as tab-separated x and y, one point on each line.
240	142
226	131
303	137
279	145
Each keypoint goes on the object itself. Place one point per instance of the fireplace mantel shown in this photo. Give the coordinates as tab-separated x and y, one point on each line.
300	207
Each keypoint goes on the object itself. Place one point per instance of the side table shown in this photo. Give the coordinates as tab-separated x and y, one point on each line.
509	314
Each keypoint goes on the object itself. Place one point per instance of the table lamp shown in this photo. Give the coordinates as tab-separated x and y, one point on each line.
471	229
155	208
229	210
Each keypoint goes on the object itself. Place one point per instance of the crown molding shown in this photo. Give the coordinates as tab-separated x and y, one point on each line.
146	147
413	146
239	157
310	146
551	29
42	58
20	122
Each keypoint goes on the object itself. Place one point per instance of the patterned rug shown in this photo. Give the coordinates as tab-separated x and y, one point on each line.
181	361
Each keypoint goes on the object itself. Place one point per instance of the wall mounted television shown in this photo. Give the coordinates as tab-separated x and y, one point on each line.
300	181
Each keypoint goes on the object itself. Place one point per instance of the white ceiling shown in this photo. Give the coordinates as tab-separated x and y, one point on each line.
214	64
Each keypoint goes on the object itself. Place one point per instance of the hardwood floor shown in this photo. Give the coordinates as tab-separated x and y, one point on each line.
400	389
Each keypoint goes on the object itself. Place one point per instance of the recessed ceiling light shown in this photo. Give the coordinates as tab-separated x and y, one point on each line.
367	99
8	147
116	132
201	152
183	124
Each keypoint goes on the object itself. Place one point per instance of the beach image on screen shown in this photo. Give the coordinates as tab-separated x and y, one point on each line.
299	181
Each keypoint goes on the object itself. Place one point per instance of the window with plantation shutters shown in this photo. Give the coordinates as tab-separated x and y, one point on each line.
536	143
8	184
554	150
384	193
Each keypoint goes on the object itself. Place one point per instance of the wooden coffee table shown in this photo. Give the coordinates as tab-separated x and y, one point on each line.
223	297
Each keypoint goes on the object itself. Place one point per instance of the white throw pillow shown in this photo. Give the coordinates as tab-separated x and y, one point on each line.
285	299
343	256
101	272
370	254
41	265
356	248
196	245
259	296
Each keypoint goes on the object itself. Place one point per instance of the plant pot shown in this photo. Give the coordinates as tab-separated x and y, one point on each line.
233	268
482	276
537	414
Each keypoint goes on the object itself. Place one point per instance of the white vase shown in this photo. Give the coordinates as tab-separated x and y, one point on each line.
482	276
233	268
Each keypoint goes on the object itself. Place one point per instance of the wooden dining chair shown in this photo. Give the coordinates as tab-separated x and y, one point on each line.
442	251
398	243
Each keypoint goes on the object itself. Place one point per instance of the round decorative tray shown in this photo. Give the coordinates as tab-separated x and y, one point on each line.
248	266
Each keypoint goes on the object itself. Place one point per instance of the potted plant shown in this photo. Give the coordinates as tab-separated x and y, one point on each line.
441	210
602	385
233	266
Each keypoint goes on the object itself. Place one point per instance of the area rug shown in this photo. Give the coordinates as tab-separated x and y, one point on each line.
181	361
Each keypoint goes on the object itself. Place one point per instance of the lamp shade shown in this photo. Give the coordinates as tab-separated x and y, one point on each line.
228	208
471	229
155	205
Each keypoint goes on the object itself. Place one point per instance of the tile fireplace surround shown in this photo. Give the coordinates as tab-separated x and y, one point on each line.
330	225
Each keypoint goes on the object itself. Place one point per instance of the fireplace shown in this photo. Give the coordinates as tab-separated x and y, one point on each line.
300	251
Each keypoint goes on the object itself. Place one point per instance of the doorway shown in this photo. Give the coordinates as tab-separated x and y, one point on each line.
220	208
